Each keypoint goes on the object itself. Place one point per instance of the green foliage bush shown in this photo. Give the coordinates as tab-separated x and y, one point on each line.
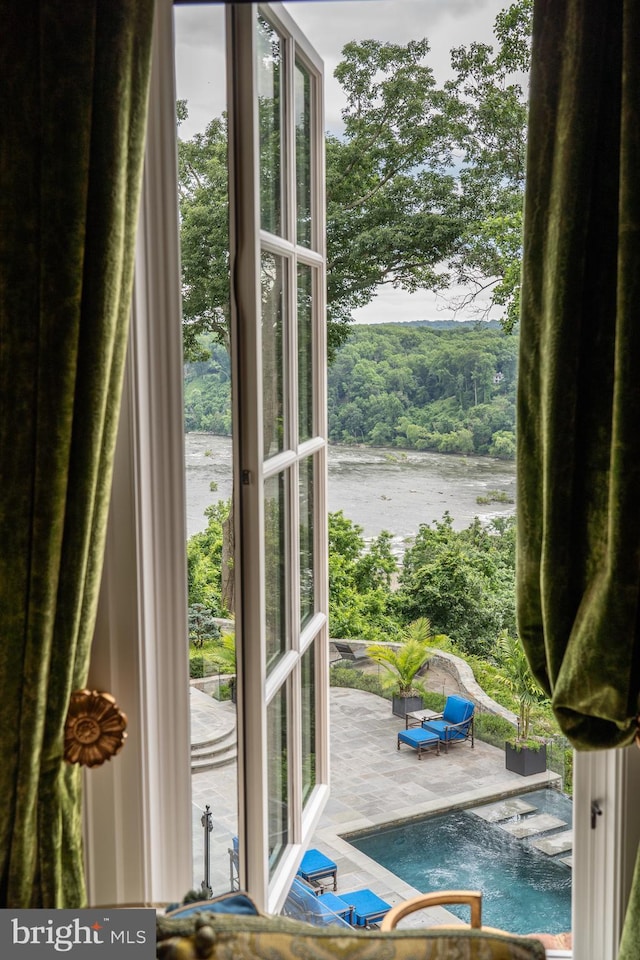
348	676
493	729
210	659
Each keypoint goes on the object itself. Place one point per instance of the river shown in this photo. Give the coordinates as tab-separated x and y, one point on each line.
379	489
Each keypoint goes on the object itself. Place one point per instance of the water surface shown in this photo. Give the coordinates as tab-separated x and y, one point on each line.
379	489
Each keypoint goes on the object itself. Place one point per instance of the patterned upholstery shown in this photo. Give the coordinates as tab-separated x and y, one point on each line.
225	937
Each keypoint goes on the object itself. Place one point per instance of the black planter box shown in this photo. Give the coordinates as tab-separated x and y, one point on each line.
402	705
525	761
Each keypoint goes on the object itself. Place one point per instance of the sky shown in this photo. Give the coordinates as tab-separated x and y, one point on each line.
329	25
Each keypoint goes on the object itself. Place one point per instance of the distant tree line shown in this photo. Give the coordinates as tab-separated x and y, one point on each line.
451	390
413	387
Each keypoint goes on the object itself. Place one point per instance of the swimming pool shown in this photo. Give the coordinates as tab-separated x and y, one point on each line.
525	890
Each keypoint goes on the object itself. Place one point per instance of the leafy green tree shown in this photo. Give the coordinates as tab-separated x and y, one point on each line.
205	561
491	96
202	625
392	212
464	581
204	234
401	210
359	582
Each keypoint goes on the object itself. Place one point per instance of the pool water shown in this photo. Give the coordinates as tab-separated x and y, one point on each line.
523	889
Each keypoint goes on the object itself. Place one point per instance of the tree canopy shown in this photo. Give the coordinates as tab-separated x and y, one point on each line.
424	185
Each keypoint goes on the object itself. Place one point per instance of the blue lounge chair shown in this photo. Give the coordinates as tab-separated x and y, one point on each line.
368	908
455	723
316	867
304	903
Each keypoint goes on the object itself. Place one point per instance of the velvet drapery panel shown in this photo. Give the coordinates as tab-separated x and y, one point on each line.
75	82
579	380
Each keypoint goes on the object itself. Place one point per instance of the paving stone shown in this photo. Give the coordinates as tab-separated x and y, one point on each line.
503	810
568	861
540	823
556	843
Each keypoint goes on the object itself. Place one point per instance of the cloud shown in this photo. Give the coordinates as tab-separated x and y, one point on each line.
200	63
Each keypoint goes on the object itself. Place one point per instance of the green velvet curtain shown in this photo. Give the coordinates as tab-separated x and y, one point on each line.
579	396
579	376
74	81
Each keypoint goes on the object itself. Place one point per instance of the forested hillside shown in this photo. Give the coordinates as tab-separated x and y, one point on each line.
414	387
450	390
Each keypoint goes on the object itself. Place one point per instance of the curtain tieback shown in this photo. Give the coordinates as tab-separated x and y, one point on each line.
95	728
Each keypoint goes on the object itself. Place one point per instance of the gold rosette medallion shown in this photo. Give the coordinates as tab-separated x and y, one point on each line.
95	728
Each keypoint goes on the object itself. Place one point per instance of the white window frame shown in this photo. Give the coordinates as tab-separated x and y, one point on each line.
256	685
138	807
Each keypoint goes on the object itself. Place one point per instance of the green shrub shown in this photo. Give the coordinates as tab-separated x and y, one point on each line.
493	729
204	661
433	701
350	677
223	692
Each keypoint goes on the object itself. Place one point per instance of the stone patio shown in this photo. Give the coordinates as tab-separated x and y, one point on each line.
372	783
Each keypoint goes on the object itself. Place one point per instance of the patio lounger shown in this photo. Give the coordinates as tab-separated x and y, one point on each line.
315	867
368	907
347	652
305	903
420	739
456	722
337	905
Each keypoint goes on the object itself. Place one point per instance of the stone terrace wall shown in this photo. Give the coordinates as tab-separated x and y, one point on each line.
463	675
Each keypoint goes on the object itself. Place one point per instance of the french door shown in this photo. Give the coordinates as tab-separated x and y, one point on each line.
277	252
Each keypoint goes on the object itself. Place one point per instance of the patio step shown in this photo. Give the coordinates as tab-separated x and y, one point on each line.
539	823
567	860
215	752
555	843
503	809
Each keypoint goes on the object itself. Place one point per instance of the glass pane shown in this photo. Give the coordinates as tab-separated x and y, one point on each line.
303	154
305	352
272	281
308	722
203	193
269	51
307	591
274	566
277	776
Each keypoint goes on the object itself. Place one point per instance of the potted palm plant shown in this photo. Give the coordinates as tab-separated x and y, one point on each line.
524	754
403	662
